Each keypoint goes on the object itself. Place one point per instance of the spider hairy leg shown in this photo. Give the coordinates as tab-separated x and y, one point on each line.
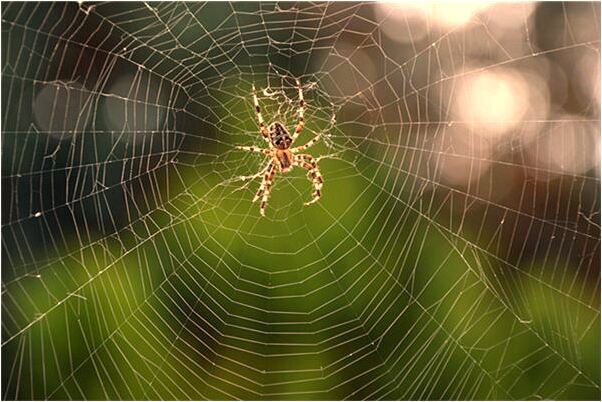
300	112
265	188
253	149
265	172
308	144
262	127
309	163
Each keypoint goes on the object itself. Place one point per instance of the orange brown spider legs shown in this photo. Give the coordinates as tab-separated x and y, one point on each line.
308	162
265	151
309	144
266	186
262	127
300	118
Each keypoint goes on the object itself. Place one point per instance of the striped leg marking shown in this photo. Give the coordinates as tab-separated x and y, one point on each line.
266	186
309	163
309	144
300	111
262	128
254	149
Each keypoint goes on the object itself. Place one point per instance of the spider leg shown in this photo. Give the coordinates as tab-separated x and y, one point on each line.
265	188
309	144
254	149
262	128
300	111
263	173
309	163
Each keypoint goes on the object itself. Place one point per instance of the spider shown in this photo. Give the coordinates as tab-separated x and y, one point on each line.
282	156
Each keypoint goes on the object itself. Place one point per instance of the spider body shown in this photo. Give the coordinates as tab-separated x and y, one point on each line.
282	156
285	159
281	140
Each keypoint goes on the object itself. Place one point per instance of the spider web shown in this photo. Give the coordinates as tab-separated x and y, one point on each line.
454	254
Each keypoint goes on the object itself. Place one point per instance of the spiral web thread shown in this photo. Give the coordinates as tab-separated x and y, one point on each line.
134	265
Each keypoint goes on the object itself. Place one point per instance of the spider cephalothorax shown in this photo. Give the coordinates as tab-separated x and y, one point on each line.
282	156
279	136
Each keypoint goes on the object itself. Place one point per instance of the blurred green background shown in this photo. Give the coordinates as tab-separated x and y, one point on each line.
455	252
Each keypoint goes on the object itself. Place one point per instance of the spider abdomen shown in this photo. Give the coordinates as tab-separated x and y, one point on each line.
285	158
